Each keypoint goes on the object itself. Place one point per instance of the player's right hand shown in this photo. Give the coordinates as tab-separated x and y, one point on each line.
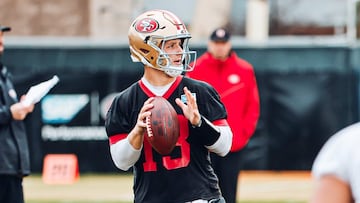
144	112
136	136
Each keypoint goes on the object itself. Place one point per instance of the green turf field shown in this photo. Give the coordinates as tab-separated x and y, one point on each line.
59	201
255	187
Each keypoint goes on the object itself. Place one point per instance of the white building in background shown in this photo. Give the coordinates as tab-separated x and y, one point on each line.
110	19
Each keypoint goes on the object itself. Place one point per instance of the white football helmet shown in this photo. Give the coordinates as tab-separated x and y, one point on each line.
147	35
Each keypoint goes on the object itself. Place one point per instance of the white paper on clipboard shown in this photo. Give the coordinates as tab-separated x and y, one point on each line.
37	92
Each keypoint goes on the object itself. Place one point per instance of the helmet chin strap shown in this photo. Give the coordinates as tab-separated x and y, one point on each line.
174	71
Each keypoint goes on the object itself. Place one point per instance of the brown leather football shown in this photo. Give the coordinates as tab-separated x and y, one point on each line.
162	126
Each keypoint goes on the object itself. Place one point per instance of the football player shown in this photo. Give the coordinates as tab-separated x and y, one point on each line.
336	168
159	40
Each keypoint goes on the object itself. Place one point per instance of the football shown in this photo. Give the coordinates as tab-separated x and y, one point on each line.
162	126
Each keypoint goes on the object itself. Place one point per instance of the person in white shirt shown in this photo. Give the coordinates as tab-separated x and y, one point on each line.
336	169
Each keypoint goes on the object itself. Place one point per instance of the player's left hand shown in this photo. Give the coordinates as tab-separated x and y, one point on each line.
190	109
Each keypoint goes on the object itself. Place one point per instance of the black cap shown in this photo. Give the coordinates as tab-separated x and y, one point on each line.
220	35
4	28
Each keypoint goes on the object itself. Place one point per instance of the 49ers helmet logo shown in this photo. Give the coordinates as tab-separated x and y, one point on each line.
146	25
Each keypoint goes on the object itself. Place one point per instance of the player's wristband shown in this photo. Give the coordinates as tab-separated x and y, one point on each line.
207	132
198	125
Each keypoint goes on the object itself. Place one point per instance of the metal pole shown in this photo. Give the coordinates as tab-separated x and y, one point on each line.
351	20
257	20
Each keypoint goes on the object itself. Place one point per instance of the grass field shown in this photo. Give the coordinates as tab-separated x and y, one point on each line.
60	201
255	187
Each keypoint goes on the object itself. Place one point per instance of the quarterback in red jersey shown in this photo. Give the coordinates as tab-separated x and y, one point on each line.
234	79
159	40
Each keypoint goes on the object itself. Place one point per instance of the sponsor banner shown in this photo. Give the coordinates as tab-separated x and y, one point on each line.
73	133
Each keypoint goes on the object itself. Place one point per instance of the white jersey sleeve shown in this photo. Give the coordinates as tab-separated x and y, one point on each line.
223	144
124	155
340	156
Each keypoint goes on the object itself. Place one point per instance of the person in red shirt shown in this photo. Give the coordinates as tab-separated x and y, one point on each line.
234	80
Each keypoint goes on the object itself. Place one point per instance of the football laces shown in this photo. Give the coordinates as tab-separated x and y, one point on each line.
148	127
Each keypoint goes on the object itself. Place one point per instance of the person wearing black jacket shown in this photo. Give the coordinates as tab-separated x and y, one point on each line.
14	152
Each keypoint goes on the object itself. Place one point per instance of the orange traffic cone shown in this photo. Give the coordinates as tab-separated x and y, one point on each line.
60	169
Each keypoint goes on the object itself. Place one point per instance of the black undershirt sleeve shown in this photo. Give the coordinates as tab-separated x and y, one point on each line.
206	132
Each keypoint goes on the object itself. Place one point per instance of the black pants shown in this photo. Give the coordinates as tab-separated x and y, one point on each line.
227	169
11	189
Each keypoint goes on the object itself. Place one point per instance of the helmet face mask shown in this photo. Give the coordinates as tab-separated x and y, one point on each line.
147	36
